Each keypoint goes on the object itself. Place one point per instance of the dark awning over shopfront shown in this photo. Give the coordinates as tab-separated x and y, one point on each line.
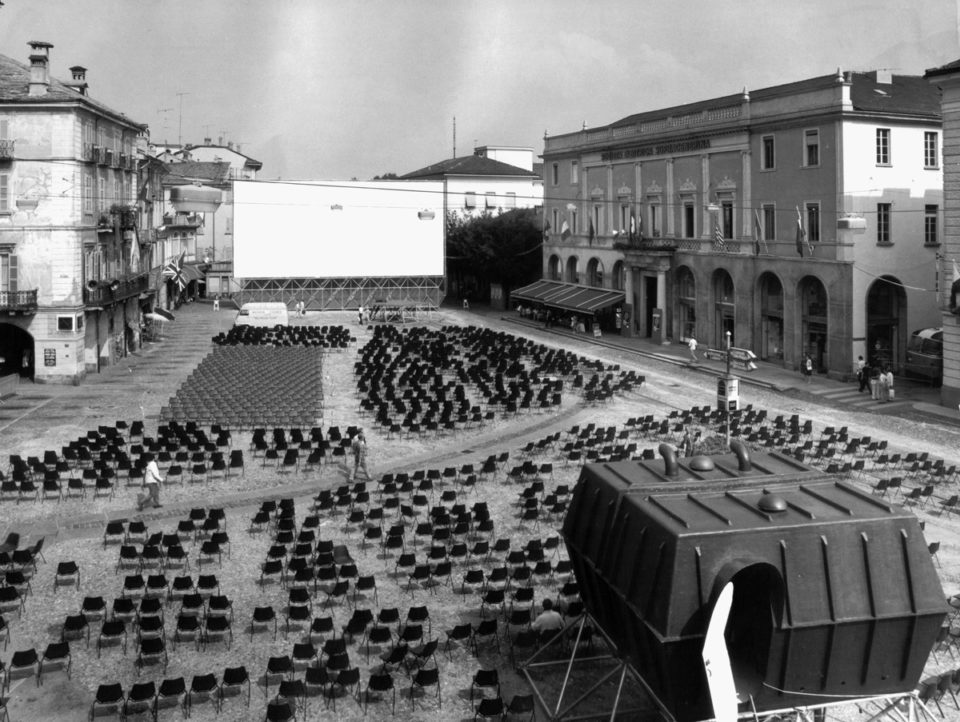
568	296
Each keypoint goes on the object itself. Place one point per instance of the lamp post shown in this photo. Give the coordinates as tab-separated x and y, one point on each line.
726	406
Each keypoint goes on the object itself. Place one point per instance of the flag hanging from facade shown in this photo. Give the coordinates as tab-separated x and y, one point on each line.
173	271
801	234
633	224
590	232
757	232
564	230
546	227
718	242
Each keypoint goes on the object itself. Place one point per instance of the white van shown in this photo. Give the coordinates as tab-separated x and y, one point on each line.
263	314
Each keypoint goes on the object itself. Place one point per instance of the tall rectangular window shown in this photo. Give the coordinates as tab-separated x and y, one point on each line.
883	223
767	157
5	193
813	222
574	172
931	150
574	222
87	191
624	217
930	236
726	213
655	219
811	147
883	146
491	199
555	220
469	199
769	222
555	173
689	220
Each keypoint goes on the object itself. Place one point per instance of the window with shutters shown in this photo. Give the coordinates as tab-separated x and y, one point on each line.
5	206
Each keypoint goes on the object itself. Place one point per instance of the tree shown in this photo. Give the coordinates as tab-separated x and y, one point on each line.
503	248
386	176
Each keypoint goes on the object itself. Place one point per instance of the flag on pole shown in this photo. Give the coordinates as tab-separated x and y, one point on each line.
757	232
173	271
633	224
590	232
564	230
718	242
801	234
546	227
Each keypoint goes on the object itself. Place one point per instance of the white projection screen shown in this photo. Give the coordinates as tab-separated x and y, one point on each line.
337	229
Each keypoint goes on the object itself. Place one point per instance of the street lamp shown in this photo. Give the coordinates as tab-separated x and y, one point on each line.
726	406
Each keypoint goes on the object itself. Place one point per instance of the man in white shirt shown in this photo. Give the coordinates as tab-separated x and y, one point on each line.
548	621
151	482
692	345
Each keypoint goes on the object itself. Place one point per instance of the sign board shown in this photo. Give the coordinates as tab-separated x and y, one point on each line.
49	357
740	358
596	331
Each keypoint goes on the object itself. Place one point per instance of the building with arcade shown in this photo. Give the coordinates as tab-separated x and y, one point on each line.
802	218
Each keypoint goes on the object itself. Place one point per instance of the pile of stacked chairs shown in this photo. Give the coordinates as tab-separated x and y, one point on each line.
423	380
326	337
187	453
91	464
245	386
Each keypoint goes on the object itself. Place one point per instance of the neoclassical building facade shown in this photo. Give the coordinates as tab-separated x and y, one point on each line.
803	218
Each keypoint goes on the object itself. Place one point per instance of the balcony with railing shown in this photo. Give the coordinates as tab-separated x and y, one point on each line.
18	301
104	293
6	149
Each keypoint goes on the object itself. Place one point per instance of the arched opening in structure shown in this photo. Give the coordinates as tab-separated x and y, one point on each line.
886	323
595	272
814	327
16	352
686	303
573	272
724	309
553	268
771	317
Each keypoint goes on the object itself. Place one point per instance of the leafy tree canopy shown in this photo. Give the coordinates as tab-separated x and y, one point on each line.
502	248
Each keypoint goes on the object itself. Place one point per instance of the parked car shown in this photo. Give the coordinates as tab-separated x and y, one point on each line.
925	355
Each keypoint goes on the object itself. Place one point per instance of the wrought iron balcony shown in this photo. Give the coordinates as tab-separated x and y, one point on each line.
104	293
6	149
18	301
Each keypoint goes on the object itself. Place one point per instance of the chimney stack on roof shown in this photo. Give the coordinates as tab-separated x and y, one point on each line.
207	141
79	82
39	67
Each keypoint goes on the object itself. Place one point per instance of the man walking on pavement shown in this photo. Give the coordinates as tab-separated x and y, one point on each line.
692	345
151	481
359	449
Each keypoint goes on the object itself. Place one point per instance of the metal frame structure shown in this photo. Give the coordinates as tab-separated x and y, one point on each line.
900	707
410	294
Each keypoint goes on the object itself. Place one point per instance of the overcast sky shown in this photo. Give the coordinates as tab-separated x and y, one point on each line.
355	88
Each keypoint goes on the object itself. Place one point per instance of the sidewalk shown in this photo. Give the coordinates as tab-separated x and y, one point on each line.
914	398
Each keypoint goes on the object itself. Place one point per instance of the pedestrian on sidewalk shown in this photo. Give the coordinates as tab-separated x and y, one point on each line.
151	484
807	368
359	449
874	374
863	374
692	345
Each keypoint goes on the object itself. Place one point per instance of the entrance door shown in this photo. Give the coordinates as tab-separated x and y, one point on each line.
650	298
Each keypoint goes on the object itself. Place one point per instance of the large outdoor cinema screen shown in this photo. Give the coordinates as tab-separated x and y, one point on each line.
337	229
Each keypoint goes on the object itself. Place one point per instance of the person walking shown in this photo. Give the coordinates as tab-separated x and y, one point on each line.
692	345
885	392
863	374
808	368
359	449
151	483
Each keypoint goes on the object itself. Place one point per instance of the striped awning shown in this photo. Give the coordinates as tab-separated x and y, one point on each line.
568	296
